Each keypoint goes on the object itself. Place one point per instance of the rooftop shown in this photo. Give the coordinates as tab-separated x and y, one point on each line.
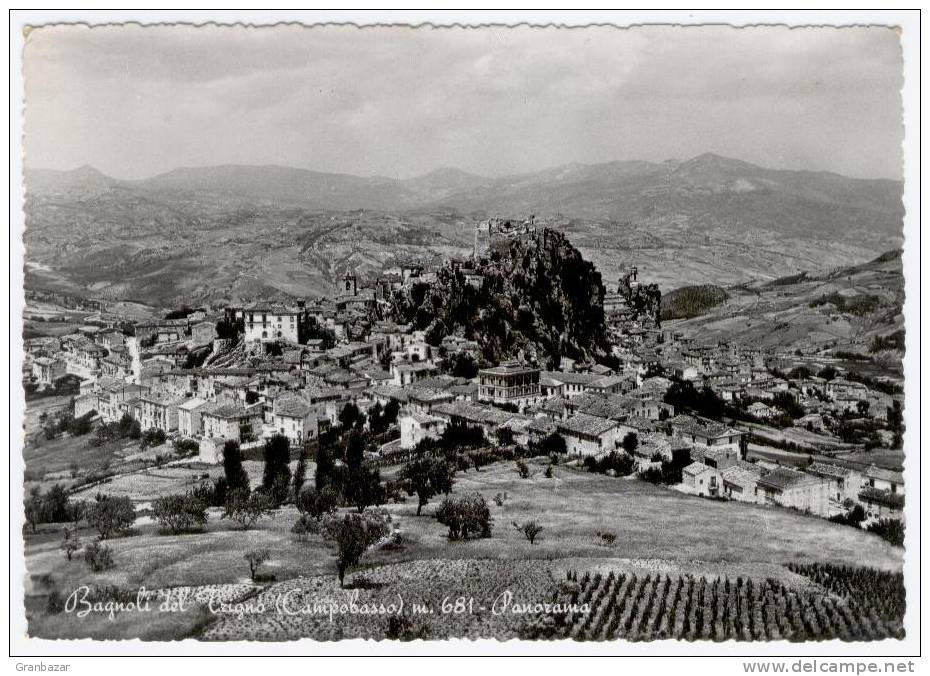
826	469
783	478
882	474
293	406
508	368
570	377
586	425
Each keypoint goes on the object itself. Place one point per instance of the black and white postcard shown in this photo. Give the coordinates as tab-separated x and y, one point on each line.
583	335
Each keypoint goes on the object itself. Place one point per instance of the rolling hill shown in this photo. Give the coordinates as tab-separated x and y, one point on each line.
841	310
209	233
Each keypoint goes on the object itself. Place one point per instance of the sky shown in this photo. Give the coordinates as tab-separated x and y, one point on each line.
136	101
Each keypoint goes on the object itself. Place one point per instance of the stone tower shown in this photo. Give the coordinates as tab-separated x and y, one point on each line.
350	284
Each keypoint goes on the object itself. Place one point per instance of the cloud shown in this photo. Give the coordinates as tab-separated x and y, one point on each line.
400	101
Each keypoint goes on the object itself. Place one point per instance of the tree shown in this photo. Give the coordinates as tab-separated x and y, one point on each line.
246	508
98	557
180	513
827	373
523	469
630	442
236	477
463	365
277	475
466	515
530	530
376	421
318	503
553	444
895	418
300	472
391	409
704	402
351	417
34	508
355	452
352	535
153	437
129	427
364	488
255	558
325	474
504	436
70	543
862	407
426	477
111	515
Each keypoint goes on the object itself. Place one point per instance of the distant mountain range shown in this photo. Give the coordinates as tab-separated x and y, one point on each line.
709	219
617	190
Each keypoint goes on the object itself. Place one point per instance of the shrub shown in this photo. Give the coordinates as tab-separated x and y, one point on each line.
548	472
70	543
620	463
891	530
500	499
180	513
256	558
552	445
217	492
305	525
98	557
606	537
530	530
317	503
504	436
853	517
352	535
481	458
247	508
651	474
55	603
153	437
523	469
464	516
111	515
186	447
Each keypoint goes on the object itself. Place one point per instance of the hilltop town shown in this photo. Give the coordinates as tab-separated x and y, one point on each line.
360	386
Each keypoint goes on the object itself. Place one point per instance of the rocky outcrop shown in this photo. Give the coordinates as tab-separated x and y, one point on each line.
531	297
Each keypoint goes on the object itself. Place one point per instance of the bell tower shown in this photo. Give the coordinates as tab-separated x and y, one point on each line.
350	284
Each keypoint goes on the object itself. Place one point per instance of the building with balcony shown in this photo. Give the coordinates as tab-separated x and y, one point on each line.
509	383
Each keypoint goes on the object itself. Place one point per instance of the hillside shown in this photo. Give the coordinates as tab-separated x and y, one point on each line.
843	310
539	300
209	233
691	301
